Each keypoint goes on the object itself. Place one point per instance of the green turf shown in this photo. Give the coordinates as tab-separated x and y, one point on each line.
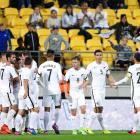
115	135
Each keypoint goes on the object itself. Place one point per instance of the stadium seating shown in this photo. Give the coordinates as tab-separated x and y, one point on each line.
94	44
18	23
132	4
15	32
128	12
136	13
14	44
4	3
73	32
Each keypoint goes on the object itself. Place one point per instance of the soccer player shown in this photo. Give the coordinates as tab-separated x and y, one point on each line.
7	76
51	73
76	76
134	74
99	71
27	99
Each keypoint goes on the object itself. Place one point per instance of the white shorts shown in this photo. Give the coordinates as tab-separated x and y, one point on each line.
29	103
97	98
136	101
77	101
47	100
8	99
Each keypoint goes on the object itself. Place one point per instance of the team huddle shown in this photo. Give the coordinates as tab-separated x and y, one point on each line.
20	79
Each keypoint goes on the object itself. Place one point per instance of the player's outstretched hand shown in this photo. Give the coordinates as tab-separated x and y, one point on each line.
114	85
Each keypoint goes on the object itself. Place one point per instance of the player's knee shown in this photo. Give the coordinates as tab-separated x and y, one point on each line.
58	107
47	109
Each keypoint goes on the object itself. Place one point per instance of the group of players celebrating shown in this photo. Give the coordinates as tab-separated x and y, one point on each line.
20	79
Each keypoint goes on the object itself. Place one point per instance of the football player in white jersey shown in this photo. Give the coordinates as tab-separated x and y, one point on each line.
27	99
134	74
7	76
51	73
76	76
2	62
99	71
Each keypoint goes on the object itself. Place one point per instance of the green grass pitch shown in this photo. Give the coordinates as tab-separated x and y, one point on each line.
66	135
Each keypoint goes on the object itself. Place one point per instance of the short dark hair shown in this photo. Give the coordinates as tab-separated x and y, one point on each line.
137	56
50	53
9	54
77	57
26	53
19	40
28	61
97	51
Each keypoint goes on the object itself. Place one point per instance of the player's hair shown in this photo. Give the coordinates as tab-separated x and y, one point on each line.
9	54
77	57
97	51
50	53
2	53
137	56
28	61
26	53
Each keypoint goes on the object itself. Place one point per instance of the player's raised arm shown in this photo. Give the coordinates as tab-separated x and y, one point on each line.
124	80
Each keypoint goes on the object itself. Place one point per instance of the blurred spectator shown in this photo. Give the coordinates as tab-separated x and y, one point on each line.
31	41
24	3
63	3
116	4
123	28
85	21
49	3
21	46
139	3
36	18
53	20
5	38
54	42
37	3
69	19
100	18
124	53
95	3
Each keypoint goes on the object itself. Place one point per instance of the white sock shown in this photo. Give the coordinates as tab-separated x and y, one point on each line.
136	121
27	120
56	115
18	123
73	122
100	119
12	123
90	119
33	120
46	119
82	120
23	124
3	116
10	116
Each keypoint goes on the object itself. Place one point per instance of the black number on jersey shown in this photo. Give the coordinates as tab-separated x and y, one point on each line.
1	73
20	80
138	73
101	71
50	71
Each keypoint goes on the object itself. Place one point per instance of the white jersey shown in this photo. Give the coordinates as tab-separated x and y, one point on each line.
52	75
26	73
34	68
134	70
6	73
98	73
76	78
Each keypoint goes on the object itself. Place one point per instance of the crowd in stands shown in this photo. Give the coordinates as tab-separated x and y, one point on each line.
90	15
